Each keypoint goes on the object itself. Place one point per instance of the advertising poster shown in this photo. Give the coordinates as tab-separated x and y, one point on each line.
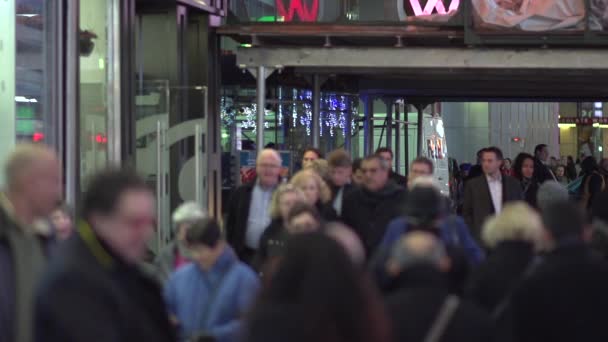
436	150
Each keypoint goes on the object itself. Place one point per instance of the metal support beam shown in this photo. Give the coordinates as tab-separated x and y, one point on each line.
348	132
397	136
261	105
420	137
406	138
368	126
389	122
422	57
316	110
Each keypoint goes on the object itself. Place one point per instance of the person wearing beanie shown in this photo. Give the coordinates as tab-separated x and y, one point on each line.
550	192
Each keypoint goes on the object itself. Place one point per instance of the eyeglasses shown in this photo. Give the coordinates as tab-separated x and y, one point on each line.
269	166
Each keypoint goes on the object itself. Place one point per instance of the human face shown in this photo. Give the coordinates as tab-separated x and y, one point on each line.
386	156
308	158
375	177
358	177
544	154
311	191
286	202
62	223
419	170
490	163
340	176
268	169
206	256
303	223
130	225
507	164
527	168
41	186
560	171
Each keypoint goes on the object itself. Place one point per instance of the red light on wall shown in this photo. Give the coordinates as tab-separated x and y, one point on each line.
516	139
37	137
101	139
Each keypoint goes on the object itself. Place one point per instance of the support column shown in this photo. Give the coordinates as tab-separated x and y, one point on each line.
420	139
406	138
389	123
316	110
261	105
397	136
7	79
368	126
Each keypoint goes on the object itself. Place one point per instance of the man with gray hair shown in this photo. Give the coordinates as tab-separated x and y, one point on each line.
176	254
420	303
33	190
551	192
370	208
248	212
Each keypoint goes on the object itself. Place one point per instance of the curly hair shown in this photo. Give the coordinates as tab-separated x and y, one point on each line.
275	208
300	178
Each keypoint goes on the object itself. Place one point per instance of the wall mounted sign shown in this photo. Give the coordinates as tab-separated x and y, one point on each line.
306	10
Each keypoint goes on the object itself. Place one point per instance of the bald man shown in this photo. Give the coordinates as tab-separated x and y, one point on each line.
32	192
248	212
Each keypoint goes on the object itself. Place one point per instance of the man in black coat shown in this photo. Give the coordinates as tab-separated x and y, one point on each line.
419	295
370	208
565	298
93	289
542	172
340	172
248	212
387	155
486	194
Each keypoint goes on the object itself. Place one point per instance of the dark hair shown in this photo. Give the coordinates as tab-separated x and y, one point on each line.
588	165
539	148
106	187
317	294
383	150
204	232
493	149
424	205
303	208
357	164
426	161
519	164
339	158
376	157
570	159
564	220
315	150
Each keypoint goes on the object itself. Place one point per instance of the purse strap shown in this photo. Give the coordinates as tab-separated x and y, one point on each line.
447	311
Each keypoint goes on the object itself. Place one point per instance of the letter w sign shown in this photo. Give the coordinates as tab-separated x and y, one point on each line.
433	5
306	10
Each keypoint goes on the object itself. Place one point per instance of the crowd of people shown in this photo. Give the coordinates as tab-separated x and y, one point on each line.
341	251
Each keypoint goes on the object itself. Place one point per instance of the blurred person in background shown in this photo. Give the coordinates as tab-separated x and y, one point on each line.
604	169
248	214
599	222
316	192
32	173
420	305
507	167
560	175
208	297
387	155
513	239
93	285
369	209
317	294
592	183
358	177
565	298
310	154
421	167
321	168
523	170
542	164
351	243
283	200
63	222
571	171
340	171
176	254
551	192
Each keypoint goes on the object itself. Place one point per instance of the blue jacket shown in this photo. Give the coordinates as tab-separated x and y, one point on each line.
213	301
453	232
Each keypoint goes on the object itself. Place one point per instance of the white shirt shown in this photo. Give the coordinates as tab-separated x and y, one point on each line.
495	185
259	215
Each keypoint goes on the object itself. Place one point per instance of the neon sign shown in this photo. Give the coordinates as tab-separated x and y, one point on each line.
431	5
301	8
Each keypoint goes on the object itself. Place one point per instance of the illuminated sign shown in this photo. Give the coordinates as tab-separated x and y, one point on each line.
583	121
307	11
431	5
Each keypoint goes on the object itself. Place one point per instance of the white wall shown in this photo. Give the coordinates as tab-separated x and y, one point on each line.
7	80
466	128
535	123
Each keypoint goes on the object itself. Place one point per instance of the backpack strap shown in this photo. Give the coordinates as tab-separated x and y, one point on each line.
446	312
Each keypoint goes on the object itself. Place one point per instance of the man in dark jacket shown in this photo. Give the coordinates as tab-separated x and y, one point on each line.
420	300
486	194
249	214
542	172
565	299
340	171
33	178
369	209
387	155
93	289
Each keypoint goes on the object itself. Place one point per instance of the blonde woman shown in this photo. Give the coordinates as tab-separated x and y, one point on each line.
283	200
316	191
513	237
